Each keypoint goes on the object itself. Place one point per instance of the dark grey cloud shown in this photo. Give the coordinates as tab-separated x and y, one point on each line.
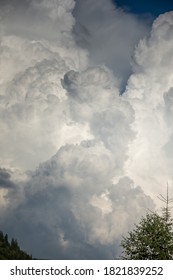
54	218
5	179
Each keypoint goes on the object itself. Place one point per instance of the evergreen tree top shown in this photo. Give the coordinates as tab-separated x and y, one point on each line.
166	210
152	238
11	250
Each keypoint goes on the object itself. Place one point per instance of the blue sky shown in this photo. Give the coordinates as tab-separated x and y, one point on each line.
154	7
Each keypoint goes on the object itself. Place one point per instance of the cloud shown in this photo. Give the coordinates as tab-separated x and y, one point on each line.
32	98
78	158
76	182
149	92
5	179
94	98
38	19
109	34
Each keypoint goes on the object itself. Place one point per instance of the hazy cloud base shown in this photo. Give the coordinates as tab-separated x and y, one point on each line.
81	163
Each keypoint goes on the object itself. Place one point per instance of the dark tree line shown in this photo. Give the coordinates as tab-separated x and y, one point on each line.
10	250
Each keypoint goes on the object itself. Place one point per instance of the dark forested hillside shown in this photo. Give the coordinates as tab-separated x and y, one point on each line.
10	250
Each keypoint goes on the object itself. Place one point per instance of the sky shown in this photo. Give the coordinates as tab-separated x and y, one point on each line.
142	7
86	134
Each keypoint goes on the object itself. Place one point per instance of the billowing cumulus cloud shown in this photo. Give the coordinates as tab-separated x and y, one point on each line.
149	91
86	208
32	97
109	34
94	98
81	162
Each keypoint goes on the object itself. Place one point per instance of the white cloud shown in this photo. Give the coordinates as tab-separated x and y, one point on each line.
149	92
34	109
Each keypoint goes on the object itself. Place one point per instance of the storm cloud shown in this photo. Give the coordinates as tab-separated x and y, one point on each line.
81	161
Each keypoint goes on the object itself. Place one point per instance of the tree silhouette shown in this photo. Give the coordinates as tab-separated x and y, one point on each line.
11	250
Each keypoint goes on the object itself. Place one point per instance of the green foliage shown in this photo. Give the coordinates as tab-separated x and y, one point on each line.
11	250
151	239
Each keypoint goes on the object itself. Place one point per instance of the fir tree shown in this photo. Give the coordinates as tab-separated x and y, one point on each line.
152	238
